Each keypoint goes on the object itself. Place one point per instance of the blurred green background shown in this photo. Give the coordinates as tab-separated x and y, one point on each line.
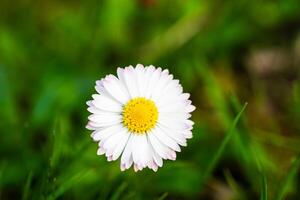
225	53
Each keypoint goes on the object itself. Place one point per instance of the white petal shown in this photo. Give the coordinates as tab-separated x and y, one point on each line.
129	162
131	82
106	104
90	127
170	99
188	134
110	143
190	108
157	146
136	141
144	151
162	150
175	115
99	126
103	124
154	167
157	159
179	137
119	149
100	88
165	139
116	89
122	167
176	118
93	109
89	103
158	92
153	82
135	167
106	132
173	87
147	76
140	78
126	155
177	106
100	151
105	118
172	125
109	158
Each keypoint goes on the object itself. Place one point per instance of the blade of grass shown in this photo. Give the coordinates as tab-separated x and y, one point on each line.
1	176
263	179
264	187
283	187
26	189
259	157
214	90
238	191
225	141
182	31
119	191
66	184
59	140
163	196
130	195
262	174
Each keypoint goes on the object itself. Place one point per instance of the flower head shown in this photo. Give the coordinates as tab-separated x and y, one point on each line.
141	115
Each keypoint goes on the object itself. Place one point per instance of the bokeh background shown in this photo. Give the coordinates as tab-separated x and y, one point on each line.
225	53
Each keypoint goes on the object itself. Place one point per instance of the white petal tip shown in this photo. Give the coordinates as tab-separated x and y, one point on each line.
155	169
139	66
100	151
135	167
109	158
122	167
191	108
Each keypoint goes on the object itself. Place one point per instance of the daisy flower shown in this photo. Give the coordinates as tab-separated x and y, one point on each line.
140	115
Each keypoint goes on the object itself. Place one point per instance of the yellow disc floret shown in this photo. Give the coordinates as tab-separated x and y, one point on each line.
140	115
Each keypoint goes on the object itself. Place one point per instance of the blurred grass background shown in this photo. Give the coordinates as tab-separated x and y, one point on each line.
224	52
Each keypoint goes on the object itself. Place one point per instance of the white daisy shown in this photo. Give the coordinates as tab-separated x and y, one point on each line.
141	115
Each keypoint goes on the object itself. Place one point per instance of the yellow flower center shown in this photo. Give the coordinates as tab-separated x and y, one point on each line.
140	115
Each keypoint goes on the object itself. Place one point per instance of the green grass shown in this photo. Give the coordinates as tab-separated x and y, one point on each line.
216	157
285	184
264	188
223	53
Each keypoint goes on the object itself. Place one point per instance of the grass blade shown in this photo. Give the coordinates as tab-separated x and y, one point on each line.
283	187
163	196
120	190
264	187
219	152
239	193
26	190
262	175
69	182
